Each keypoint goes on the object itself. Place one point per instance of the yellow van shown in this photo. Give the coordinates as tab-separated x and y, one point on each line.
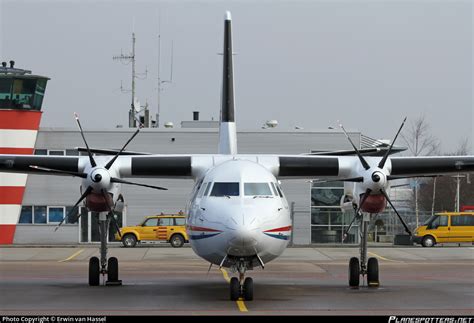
446	227
164	227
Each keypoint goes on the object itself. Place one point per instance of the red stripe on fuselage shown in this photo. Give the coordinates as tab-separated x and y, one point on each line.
19	119
288	228
7	232
193	228
11	194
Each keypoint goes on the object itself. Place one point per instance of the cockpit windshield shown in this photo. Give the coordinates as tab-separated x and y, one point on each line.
225	189
257	189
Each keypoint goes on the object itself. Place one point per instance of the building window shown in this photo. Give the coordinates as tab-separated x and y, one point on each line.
26	215
40	214
55	214
328	222
56	152
72	152
41	151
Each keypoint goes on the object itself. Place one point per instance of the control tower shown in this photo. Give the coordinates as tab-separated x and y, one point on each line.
21	100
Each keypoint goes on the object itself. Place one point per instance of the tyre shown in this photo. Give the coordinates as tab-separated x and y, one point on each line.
354	272
177	241
129	240
94	271
248	289
234	289
428	241
373	272
112	269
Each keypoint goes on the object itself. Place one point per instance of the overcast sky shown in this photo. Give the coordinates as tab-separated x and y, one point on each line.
304	63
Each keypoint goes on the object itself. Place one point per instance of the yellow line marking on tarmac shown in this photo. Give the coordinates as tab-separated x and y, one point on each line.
383	258
241	305
240	301
77	253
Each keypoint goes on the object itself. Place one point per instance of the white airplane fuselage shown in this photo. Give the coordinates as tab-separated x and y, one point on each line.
237	211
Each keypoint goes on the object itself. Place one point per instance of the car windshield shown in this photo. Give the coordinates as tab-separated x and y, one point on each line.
431	219
225	189
256	189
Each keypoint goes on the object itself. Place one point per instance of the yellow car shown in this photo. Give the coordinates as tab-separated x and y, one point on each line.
446	227
164	227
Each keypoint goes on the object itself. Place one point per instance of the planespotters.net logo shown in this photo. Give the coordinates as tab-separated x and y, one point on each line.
447	319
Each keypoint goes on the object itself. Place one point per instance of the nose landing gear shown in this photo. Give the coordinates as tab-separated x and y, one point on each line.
241	287
364	267
103	266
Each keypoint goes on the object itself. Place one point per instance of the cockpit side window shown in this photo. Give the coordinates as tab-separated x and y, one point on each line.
225	189
208	188
277	189
203	189
255	189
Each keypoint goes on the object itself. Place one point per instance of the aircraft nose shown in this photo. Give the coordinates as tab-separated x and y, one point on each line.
243	241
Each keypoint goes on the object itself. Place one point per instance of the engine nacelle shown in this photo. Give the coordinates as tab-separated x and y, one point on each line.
347	202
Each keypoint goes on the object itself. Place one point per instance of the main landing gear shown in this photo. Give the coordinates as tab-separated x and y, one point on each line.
242	286
104	266
364	267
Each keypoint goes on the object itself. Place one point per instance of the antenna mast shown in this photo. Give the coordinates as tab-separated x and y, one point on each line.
160	81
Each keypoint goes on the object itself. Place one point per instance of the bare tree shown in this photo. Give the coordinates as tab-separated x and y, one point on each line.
418	138
420	142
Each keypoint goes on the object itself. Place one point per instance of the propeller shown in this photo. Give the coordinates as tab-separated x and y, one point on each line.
377	181
112	213
97	178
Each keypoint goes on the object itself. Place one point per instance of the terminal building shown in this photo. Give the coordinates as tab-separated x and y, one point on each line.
316	215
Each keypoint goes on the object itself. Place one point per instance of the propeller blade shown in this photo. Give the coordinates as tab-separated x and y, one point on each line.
346	233
359	179
361	158
121	181
58	171
399	216
111	162
93	163
387	153
83	196
111	212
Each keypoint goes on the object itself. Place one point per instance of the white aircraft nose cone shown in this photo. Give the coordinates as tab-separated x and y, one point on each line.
243	241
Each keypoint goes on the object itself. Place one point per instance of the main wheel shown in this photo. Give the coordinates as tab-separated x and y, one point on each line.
354	272
428	241
177	241
94	271
112	269
234	289
129	240
373	272
248	289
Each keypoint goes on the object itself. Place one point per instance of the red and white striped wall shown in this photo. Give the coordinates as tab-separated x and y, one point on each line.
18	131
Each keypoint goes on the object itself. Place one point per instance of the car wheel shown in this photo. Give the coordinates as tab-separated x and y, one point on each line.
177	241
428	241
129	240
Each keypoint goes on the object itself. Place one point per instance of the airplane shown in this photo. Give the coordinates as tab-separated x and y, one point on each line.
238	216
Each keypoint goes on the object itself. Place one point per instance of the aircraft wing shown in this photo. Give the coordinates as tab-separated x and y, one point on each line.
172	166
346	166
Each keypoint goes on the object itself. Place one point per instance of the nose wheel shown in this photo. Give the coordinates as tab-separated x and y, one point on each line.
241	290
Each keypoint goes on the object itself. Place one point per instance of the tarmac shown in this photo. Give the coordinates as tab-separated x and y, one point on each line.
161	280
